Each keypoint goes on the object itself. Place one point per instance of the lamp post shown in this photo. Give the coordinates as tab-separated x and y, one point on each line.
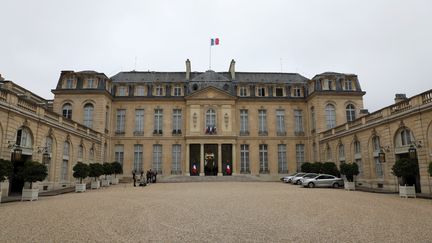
381	156
17	154
412	151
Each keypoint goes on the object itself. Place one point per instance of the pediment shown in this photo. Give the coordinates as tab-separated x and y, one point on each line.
210	93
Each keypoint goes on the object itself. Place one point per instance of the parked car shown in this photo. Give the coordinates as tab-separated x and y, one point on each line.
322	180
297	179
288	178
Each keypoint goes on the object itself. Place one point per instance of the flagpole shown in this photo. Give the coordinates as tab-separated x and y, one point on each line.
210	55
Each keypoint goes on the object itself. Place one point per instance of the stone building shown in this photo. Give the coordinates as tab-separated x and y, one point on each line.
201	123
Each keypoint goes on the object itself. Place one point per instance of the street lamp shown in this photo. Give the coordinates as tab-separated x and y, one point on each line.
381	156
17	154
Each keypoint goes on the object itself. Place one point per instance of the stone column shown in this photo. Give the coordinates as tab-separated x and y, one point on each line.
219	160
234	159
202	160
187	161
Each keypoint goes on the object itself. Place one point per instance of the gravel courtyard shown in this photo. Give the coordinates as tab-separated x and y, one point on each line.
217	212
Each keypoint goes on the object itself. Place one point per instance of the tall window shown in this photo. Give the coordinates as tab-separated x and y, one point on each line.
300	156
65	164
280	121
139	91
359	162
157	158
315	152
67	111
91	154
107	118
377	148
177	121
282	159
80	153
24	138
313	118
263	157
48	144
298	121
243	91
139	121
176	159
341	153
88	115
119	153
330	116
159	90
261	91
357	148
158	121
244	122
177	90
350	113
210	118
405	135
121	118
244	158
138	157
328	154
262	122
279	92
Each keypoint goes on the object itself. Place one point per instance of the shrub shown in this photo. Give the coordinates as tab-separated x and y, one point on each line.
404	169
317	167
107	169
116	168
330	168
96	170
33	171
81	171
306	167
6	169
349	170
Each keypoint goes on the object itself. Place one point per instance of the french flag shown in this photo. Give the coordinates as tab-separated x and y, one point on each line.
214	41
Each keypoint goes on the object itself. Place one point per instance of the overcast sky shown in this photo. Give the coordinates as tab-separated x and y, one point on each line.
388	44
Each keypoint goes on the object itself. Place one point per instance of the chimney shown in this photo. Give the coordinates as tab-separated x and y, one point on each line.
363	112
1	78
188	69
232	69
400	97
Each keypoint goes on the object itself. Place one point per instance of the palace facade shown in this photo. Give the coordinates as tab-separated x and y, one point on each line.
201	123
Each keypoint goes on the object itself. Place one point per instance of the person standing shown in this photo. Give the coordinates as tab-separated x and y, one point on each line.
134	177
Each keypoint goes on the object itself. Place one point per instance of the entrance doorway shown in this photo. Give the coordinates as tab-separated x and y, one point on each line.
210	159
194	159
227	159
414	180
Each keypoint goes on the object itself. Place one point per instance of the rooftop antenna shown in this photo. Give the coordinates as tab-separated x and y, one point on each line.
281	64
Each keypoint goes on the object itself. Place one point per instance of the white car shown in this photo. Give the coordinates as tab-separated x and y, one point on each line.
297	179
322	180
288	178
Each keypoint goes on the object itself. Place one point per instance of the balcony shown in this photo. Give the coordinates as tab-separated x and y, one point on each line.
210	130
138	133
281	133
244	133
157	132
120	133
299	133
176	132
262	133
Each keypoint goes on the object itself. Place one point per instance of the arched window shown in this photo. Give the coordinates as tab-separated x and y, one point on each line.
376	144
330	116
48	144
350	113
313	118
88	115
357	147
341	149
328	154
24	138
67	111
210	118
80	153
405	135
65	164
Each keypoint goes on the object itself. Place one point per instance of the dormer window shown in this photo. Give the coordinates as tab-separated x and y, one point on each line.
139	91
279	92
243	91
159	90
261	91
91	84
177	90
69	83
348	85
327	85
122	91
297	92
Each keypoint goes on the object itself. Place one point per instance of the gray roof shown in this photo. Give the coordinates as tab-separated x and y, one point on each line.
242	77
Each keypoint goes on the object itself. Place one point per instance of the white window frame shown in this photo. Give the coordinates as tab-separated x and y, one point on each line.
350	112
244	121
158	120
119	153
88	115
138	158
300	156
177	120
176	159
157	158
243	91
262	121
330	110
120	120
263	158
244	158
139	120
282	159
298	121
177	91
